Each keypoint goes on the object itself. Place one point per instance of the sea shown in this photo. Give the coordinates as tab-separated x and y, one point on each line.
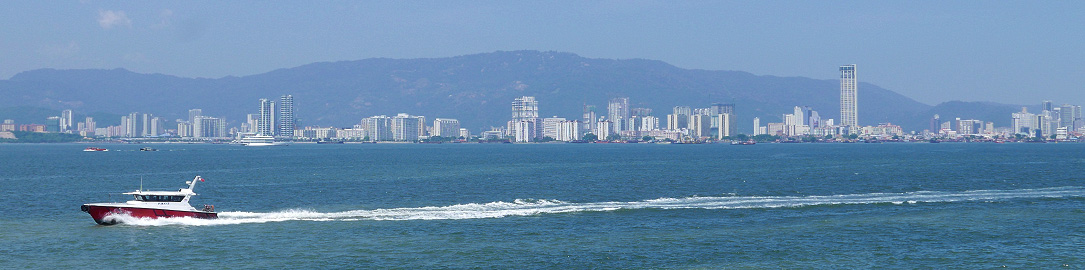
553	206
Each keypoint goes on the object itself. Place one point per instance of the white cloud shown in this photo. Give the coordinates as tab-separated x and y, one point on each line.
109	19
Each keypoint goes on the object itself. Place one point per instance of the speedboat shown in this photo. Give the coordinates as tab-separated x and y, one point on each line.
153	205
95	149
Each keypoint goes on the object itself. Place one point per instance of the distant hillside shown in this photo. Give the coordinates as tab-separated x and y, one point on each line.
477	89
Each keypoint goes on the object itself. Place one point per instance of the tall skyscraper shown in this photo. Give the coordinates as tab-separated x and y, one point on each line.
287	123
618	112
590	118
849	109
193	113
525	119
66	120
265	125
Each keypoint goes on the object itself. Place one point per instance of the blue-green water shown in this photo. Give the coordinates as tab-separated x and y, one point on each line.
555	206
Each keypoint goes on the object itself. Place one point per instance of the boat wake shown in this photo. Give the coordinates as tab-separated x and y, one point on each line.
539	207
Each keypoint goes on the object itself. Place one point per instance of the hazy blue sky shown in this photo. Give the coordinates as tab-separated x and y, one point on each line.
1017	52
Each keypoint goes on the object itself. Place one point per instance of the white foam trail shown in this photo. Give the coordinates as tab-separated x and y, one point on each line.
537	207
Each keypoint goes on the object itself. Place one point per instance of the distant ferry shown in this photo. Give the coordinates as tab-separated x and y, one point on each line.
750	142
259	140
95	149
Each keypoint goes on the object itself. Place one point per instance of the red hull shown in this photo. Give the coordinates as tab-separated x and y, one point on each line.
100	212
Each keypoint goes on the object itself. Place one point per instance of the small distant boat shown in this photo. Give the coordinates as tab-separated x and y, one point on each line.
153	205
329	142
750	142
95	149
147	149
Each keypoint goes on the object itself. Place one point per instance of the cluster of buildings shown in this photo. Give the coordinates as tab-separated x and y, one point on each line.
620	121
1062	122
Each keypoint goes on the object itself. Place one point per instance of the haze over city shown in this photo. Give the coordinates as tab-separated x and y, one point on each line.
930	51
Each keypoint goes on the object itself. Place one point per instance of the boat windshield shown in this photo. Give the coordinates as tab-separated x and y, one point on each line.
159	198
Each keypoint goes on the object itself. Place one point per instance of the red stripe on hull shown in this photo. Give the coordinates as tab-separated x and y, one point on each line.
100	212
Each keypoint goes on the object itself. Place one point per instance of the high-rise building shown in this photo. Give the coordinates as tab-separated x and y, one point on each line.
1069	115
725	126
525	109
184	129
590	118
680	118
193	113
145	125
568	131
618	112
208	127
265	124
757	126
53	124
700	125
550	126
66	120
287	123
405	127
131	129
1024	122
649	123
446	127
379	128
849	109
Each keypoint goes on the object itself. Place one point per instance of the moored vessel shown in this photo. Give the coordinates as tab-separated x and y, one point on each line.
151	204
95	149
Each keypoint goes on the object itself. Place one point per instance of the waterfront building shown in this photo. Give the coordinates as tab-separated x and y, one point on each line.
265	123
649	123
1024	122
184	129
66	120
568	131
8	125
287	123
405	127
701	126
207	127
446	127
725	125
525	130
757	129
680	118
551	125
350	134
849	109
602	130
618	112
524	109
589	118
52	124
465	134
379	128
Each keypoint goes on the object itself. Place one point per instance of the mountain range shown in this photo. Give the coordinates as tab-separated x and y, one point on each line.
477	89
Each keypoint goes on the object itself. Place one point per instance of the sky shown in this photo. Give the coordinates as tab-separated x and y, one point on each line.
1014	52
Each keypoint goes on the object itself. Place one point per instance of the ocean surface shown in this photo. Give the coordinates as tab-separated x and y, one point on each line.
554	206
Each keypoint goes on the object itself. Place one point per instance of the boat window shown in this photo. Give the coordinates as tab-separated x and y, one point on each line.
162	198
